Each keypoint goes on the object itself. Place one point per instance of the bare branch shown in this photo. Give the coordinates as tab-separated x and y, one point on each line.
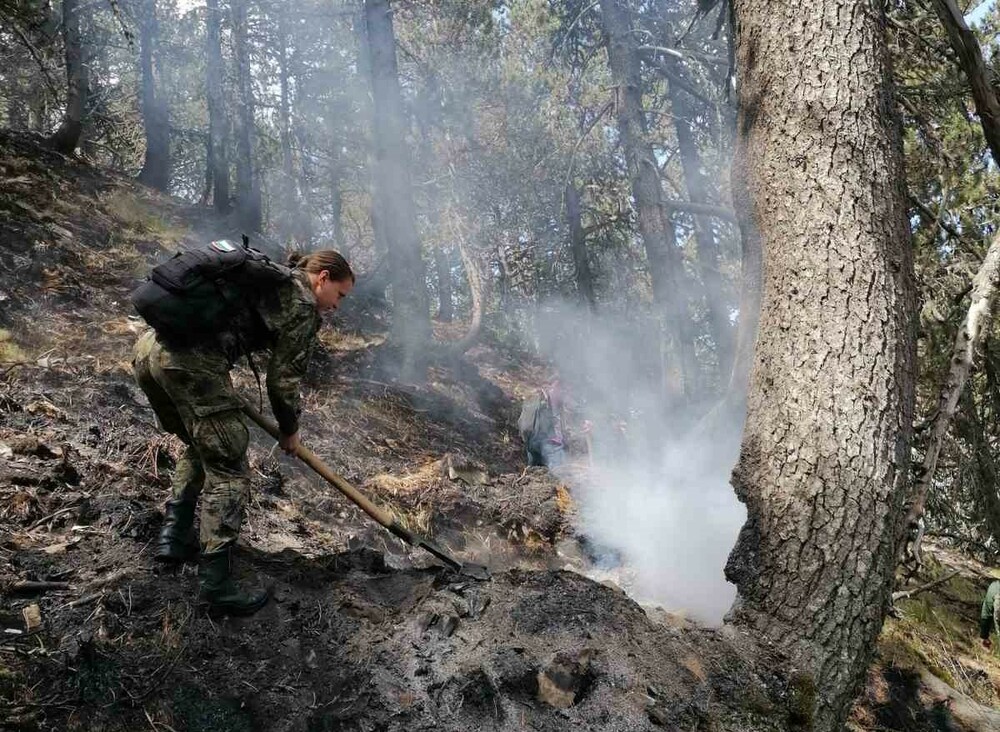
907	594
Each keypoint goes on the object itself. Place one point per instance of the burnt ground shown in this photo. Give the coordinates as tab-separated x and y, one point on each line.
362	633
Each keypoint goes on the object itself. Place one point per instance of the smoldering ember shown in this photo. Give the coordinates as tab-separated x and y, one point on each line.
499	365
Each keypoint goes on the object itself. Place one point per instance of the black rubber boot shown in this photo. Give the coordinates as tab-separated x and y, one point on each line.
218	590
177	542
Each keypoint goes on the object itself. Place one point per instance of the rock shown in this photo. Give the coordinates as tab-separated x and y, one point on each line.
32	615
460	468
6	452
566	678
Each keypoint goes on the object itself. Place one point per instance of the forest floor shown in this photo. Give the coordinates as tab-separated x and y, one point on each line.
362	633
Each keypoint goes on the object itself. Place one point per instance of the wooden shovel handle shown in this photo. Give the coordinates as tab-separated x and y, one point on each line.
384	517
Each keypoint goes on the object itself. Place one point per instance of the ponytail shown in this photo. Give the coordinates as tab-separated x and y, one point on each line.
323	260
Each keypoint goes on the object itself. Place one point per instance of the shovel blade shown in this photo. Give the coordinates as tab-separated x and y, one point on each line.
474	571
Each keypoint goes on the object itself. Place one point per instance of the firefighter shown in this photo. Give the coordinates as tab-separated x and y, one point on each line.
188	386
989	614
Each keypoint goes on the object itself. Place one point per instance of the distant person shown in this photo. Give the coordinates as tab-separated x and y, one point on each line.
989	615
607	440
541	427
185	375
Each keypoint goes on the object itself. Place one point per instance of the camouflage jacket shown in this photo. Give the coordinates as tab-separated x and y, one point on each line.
989	615
990	602
285	321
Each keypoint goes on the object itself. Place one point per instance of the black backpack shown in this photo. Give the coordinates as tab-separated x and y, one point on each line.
198	294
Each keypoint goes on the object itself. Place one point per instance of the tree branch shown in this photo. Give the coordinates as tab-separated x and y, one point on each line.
907	594
970	56
702	209
934	218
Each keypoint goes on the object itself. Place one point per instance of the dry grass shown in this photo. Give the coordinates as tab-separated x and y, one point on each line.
137	217
423	478
10	351
565	501
334	340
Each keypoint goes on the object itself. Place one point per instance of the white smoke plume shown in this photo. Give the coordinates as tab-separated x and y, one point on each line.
653	498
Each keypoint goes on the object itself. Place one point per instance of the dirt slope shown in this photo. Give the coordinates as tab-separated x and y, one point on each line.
363	634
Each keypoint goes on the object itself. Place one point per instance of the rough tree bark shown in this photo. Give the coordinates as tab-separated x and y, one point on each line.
967	341
708	246
248	200
155	171
655	226
824	459
218	127
394	196
66	138
578	246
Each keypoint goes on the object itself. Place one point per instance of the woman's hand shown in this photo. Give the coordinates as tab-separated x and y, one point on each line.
289	443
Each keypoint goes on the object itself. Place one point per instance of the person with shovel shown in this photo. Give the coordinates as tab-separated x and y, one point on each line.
208	308
541	427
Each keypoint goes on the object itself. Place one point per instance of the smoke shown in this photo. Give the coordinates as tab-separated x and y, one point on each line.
653	497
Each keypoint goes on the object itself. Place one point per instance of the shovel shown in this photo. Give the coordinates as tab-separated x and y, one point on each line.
382	516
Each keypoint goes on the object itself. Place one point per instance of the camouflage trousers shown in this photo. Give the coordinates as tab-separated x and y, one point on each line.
193	397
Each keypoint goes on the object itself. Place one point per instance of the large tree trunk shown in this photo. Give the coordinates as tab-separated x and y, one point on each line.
824	459
288	217
708	247
156	165
655	226
394	197
206	190
578	246
248	201
218	126
67	136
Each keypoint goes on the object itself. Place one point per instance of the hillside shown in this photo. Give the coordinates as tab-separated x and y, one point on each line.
363	633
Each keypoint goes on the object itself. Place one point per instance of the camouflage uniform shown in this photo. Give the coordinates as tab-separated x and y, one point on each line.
193	397
989	615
